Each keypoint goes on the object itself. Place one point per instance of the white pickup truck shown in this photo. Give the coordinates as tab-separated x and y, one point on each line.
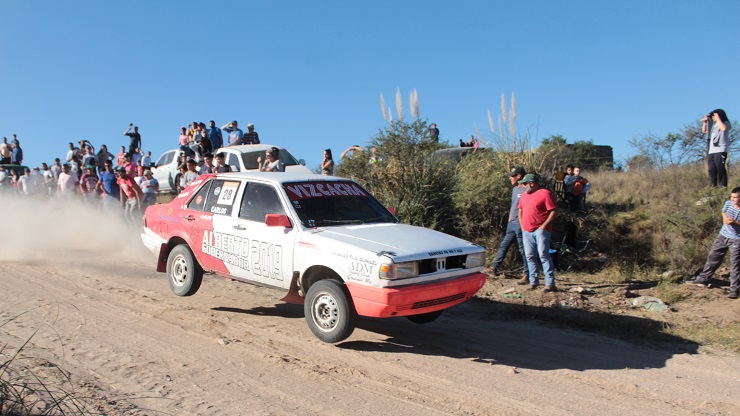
240	158
326	240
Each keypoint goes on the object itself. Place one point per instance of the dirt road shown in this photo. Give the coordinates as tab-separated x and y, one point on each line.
129	346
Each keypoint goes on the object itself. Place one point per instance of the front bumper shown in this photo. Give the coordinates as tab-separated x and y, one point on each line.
413	300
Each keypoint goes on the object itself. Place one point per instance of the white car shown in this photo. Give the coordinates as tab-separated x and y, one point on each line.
326	240
240	158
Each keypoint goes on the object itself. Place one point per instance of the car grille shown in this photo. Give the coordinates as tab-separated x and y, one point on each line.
431	302
441	264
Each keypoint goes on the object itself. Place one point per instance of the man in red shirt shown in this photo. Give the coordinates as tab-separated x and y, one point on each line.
536	213
131	190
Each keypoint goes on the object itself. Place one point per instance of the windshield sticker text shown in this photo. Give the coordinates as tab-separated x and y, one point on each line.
320	190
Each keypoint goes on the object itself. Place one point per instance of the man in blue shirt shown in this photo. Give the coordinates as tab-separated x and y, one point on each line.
235	134
17	158
109	184
728	239
215	136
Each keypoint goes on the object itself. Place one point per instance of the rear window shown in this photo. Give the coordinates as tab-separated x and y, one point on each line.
220	196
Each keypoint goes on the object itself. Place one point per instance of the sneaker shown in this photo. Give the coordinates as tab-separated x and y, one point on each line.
733	295
523	281
551	289
533	287
695	281
496	271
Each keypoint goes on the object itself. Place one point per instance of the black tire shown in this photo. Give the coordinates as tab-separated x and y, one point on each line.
177	182
424	318
184	274
329	311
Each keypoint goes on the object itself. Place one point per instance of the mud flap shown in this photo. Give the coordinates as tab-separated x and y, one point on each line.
293	295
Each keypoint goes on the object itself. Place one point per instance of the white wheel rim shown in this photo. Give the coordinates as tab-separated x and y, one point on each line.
325	312
179	270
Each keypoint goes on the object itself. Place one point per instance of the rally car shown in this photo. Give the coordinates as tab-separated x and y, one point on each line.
326	240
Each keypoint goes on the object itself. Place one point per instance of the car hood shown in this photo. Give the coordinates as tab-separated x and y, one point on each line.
401	242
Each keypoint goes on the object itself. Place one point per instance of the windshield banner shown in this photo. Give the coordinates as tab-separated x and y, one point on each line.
298	191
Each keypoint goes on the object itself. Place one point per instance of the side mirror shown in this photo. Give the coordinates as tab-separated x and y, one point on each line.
278	220
302	162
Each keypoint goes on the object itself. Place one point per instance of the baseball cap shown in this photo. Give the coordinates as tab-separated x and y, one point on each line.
528	178
518	171
250	125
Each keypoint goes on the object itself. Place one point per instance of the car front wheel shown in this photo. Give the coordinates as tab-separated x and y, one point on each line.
184	274
329	311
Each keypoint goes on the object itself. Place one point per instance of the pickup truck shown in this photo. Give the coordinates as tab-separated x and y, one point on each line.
240	158
325	240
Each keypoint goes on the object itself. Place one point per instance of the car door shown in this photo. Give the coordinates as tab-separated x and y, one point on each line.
211	209
162	172
269	249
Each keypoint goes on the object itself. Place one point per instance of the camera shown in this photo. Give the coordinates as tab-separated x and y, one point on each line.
710	115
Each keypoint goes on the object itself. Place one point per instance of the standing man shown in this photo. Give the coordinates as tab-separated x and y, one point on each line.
130	189
5	152
67	182
251	136
513	228
149	188
434	132
108	184
235	134
536	213
728	238
215	136
17	157
719	140
135	137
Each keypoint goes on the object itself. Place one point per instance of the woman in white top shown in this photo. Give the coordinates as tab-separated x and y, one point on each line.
273	162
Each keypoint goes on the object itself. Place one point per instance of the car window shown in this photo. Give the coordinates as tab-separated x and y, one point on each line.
198	202
166	158
250	158
259	200
221	196
233	162
327	203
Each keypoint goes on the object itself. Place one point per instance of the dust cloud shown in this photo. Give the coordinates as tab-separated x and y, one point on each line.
34	229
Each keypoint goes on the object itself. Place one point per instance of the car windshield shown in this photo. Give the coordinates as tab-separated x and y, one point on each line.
329	203
250	158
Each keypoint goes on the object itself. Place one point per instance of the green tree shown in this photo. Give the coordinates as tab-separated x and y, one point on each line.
398	168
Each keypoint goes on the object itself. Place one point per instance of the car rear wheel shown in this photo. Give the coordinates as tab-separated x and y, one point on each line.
329	311
184	274
424	318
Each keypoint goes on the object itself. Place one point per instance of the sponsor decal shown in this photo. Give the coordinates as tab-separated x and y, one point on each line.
199	199
297	191
218	210
306	244
183	195
227	193
196	182
441	252
257	257
206	217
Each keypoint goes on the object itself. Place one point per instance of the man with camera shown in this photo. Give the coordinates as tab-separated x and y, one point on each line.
717	126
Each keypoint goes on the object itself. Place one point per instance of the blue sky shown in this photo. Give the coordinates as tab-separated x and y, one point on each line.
309	74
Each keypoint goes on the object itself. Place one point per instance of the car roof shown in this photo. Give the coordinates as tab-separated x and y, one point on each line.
280	177
245	148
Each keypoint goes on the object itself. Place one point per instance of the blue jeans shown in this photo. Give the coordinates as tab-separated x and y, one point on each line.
537	247
513	232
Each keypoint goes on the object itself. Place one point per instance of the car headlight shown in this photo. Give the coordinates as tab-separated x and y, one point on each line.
395	271
475	260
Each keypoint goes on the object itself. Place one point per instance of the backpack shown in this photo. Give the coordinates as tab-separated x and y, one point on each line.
578	186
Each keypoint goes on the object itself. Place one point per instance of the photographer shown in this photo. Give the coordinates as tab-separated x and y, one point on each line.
718	126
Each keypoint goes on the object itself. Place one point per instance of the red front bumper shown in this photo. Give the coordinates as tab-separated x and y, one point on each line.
413	300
